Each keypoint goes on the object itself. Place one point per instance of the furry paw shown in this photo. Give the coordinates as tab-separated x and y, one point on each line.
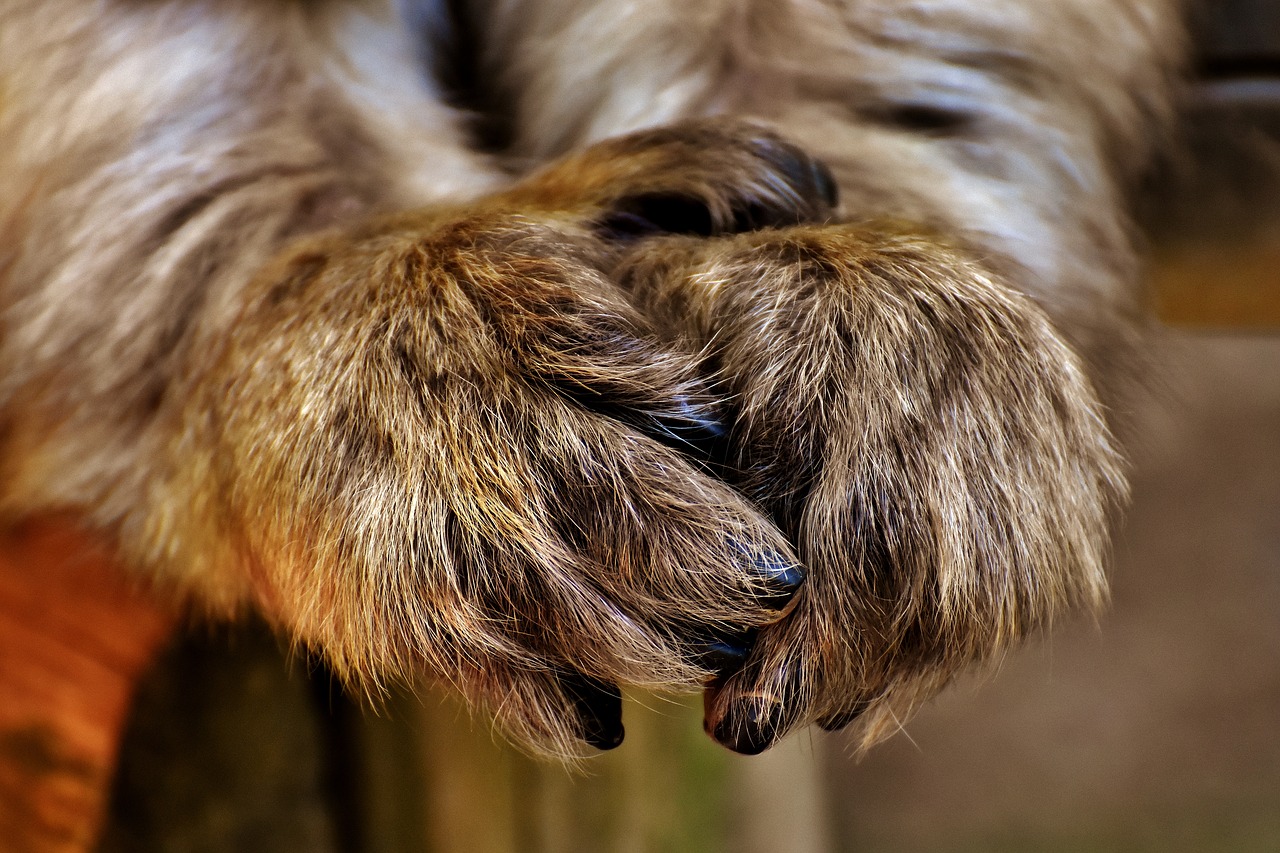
920	433
447	442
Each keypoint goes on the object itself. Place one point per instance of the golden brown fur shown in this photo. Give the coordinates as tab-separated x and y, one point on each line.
272	322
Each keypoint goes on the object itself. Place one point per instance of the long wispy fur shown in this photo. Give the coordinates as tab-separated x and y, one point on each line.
585	409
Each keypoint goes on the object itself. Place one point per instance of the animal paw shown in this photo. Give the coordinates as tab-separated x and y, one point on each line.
924	438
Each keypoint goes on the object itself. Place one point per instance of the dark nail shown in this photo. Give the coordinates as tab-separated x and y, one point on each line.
788	159
807	175
652	213
599	706
690	427
724	654
824	182
836	722
782	578
750	726
723	658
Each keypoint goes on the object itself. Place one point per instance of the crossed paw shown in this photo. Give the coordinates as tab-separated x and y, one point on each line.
651	417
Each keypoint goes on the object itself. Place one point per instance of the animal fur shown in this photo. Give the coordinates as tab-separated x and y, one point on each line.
584	410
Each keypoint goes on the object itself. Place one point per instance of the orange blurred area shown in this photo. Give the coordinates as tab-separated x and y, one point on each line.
75	636
1213	286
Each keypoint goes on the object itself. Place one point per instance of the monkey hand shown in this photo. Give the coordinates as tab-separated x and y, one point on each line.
446	442
928	443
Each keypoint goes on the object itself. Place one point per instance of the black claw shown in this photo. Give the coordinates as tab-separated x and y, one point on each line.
723	658
653	213
684	424
690	428
751	726
782	577
824	182
599	706
725	654
810	177
790	160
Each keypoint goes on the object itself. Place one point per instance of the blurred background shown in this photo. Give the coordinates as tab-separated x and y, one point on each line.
1156	729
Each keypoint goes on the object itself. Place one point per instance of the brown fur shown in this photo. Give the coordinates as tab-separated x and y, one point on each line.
919	431
271	322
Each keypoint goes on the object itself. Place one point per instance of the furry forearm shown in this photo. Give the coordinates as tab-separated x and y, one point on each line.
1011	128
152	161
